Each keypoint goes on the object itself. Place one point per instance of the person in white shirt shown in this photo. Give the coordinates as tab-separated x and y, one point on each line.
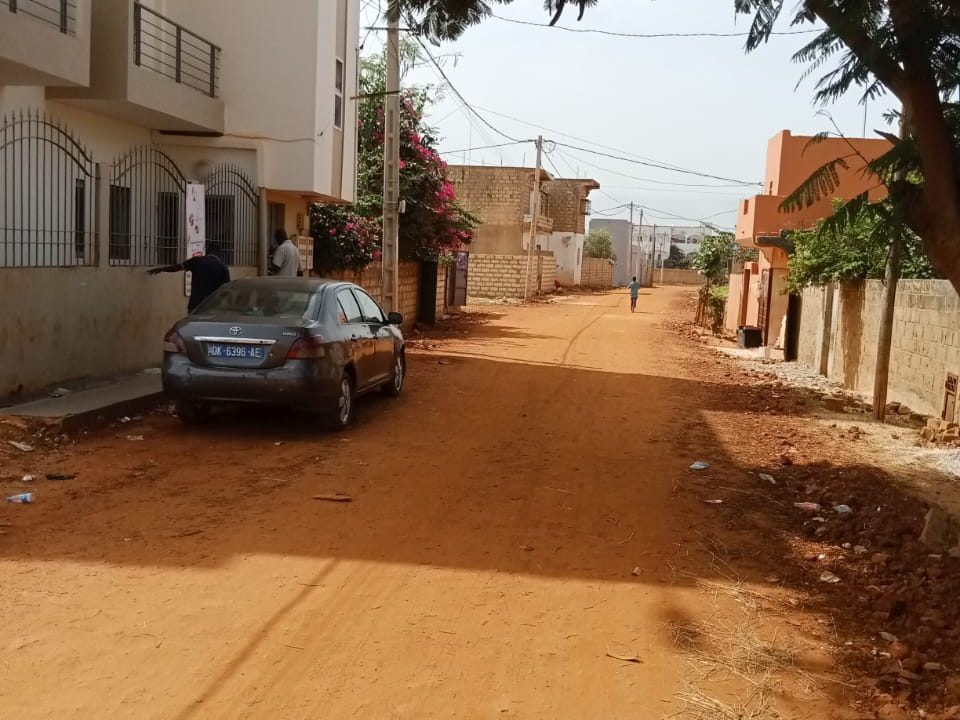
286	256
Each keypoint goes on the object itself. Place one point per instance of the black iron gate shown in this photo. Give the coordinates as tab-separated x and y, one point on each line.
147	204
48	185
232	215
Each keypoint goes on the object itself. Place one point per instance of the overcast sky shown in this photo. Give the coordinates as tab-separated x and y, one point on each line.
697	103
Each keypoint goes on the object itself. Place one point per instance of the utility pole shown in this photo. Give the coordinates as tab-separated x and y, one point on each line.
637	271
534	212
390	281
891	278
630	269
653	255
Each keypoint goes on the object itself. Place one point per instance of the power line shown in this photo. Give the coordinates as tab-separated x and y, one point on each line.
457	92
485	147
660	166
599	145
613	33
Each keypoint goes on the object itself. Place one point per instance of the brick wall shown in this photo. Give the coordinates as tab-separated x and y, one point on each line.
839	329
672	276
596	273
566	204
502	276
495	195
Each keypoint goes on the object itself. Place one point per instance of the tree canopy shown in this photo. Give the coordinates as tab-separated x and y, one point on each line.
599	244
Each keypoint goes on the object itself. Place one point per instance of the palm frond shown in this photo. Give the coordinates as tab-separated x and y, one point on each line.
822	183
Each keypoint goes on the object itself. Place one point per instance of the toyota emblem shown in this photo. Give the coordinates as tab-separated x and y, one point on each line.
236	330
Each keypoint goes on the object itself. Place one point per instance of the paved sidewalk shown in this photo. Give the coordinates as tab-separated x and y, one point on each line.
106	401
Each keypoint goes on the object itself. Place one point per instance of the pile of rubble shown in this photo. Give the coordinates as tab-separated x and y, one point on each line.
940	432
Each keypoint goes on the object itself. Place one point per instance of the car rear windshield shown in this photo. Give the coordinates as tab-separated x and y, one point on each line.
264	302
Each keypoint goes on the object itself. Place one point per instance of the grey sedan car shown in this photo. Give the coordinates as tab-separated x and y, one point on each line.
303	343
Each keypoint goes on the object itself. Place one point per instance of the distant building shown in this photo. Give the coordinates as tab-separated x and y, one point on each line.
502	200
626	252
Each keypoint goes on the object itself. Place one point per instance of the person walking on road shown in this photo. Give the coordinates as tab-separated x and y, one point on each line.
634	288
209	273
286	256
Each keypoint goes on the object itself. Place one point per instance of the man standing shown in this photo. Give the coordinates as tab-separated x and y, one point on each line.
634	287
286	256
209	273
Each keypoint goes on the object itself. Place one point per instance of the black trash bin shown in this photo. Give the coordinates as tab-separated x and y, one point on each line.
749	337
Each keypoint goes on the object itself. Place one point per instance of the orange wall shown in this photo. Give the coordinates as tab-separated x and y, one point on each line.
790	161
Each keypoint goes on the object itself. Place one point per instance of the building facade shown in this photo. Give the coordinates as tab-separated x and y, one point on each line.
569	207
111	110
757	297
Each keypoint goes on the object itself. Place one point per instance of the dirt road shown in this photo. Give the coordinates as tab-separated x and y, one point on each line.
518	518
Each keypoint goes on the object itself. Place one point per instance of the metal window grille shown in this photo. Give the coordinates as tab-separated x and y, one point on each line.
168	48
232	215
61	14
47	194
147	206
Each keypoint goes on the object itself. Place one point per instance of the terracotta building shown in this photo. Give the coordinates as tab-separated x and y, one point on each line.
757	297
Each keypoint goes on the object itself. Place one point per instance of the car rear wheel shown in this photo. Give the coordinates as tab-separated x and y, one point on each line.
342	415
394	385
192	412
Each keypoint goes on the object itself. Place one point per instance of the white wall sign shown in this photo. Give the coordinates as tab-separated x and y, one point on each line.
196	228
196	225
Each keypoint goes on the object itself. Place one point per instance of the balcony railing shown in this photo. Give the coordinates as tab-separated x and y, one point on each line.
167	48
61	14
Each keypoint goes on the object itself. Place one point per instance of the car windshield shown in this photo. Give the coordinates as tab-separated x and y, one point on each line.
263	302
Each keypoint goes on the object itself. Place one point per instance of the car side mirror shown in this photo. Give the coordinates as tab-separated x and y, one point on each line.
395	318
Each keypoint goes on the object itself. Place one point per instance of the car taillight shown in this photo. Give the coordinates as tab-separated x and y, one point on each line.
306	348
173	343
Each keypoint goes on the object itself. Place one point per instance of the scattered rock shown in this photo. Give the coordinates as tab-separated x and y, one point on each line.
898	650
938	530
22	447
880	558
829	577
932	667
889	637
834	403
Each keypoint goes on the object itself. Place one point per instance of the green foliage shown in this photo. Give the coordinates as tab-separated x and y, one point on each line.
434	223
677	259
713	307
714	257
449	19
599	244
852	246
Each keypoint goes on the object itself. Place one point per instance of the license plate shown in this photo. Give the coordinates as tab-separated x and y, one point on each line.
236	352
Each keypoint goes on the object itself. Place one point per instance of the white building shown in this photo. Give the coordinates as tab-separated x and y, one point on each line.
656	240
109	108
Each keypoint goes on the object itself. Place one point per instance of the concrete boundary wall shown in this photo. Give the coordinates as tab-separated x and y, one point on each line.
502	276
596	273
838	337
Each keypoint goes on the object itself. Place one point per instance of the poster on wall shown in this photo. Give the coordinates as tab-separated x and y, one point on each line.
196	227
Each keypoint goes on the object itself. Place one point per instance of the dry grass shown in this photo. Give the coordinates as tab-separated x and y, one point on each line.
700	706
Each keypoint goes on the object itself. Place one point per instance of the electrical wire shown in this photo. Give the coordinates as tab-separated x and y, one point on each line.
682	171
554	131
485	147
613	33
459	95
